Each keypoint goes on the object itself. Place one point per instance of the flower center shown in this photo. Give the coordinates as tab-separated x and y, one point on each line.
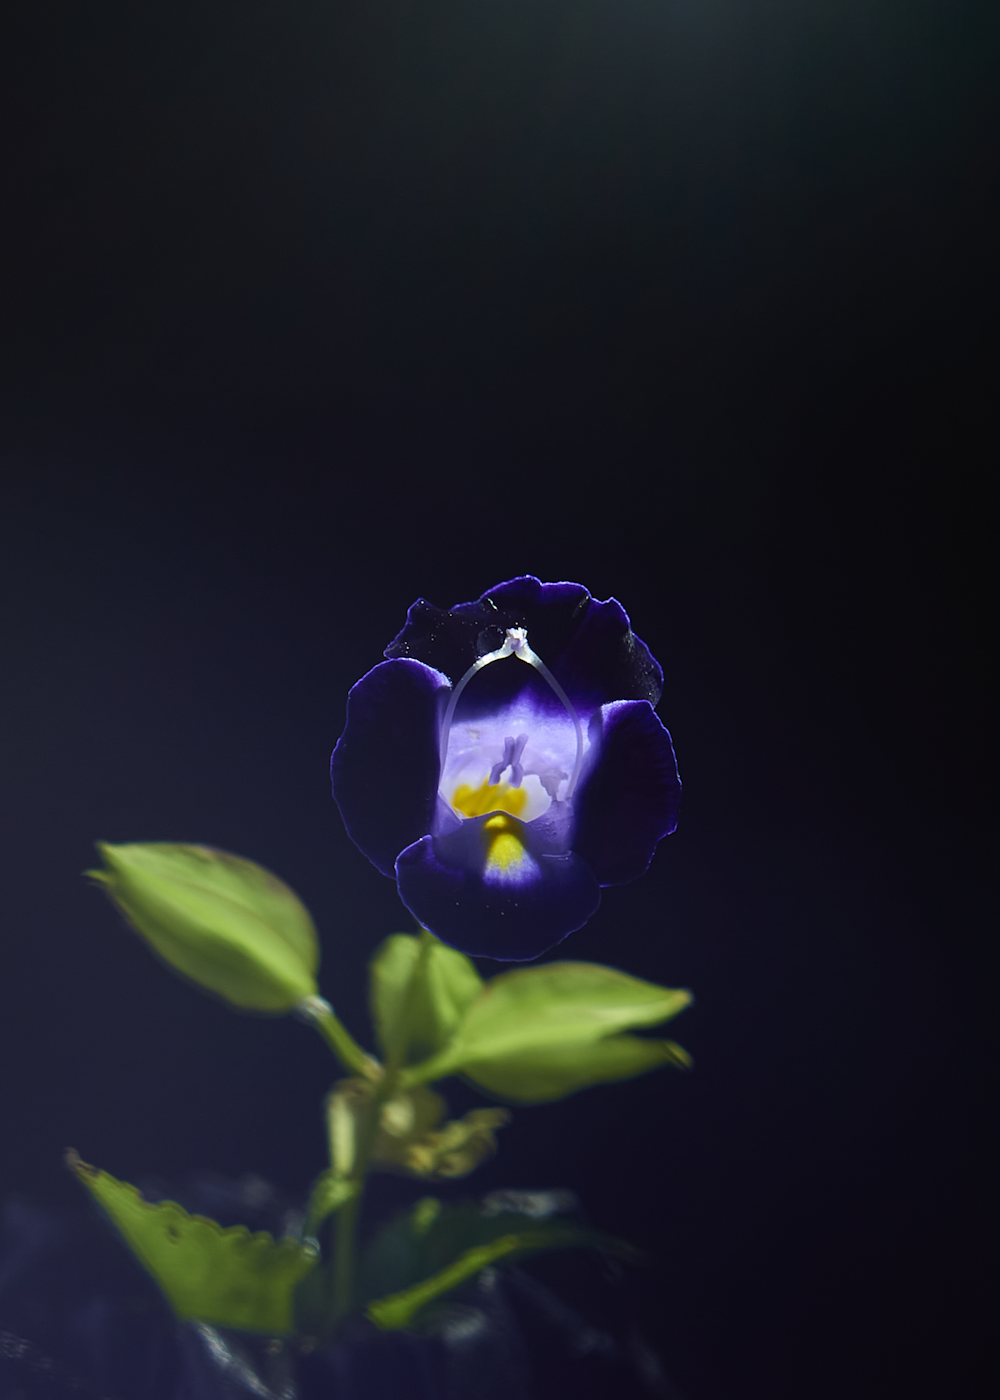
481	747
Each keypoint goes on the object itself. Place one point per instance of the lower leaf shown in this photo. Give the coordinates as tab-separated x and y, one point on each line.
399	1309
427	1251
228	1277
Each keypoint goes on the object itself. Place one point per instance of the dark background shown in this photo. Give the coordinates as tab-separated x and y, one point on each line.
312	308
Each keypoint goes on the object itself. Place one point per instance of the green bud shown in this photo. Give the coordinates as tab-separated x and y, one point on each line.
410	1137
420	991
228	924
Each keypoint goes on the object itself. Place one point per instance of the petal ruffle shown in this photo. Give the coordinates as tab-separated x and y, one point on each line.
386	765
588	645
631	797
444	883
607	661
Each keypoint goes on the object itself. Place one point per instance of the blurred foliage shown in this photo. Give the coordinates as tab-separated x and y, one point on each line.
228	924
540	1033
228	1277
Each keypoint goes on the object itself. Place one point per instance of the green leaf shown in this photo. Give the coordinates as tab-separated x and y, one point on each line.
399	1308
228	924
443	987
541	1075
227	1277
550	1021
432	1249
398	1254
431	1236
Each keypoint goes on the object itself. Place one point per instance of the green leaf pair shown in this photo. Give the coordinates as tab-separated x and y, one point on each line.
232	1278
531	1035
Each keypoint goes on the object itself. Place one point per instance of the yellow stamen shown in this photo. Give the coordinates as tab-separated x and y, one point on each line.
476	802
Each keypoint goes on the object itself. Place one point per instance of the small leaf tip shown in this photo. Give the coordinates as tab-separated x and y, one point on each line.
75	1163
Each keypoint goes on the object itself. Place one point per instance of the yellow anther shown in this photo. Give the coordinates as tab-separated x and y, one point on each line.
500	797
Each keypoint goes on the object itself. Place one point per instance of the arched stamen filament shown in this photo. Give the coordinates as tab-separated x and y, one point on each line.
515	644
512	751
449	714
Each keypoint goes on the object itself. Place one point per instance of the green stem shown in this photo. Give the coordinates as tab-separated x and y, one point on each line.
386	1086
345	1236
347	1219
347	1050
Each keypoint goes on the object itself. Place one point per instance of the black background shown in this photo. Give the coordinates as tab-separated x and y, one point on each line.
312	308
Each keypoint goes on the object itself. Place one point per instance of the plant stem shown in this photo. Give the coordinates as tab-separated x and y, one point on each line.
385	1087
347	1218
345	1226
347	1050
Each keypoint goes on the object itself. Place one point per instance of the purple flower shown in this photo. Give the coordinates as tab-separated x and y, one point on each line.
502	796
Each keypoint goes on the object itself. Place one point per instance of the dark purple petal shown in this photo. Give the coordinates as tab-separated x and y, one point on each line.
443	882
606	661
386	764
630	799
588	645
451	639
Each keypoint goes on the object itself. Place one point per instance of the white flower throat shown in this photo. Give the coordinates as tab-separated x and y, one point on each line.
520	760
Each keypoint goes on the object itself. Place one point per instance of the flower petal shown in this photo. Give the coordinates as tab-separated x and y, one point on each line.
588	645
630	799
506	893
386	765
607	661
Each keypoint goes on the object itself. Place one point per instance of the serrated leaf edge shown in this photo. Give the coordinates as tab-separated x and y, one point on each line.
85	1172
